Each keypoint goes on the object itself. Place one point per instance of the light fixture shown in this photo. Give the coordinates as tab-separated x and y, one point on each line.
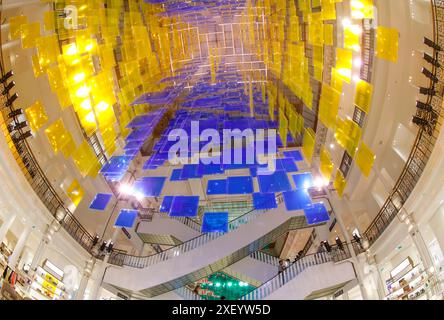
125	189
18	126
424	106
8	75
419	121
11	100
427	91
431	60
431	44
429	75
8	88
22	136
15	113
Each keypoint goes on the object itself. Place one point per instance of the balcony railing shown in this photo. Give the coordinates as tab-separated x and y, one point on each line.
424	142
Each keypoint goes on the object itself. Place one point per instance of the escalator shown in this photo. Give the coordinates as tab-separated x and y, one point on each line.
201	256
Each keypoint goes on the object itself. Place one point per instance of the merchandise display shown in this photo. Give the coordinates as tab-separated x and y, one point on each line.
408	282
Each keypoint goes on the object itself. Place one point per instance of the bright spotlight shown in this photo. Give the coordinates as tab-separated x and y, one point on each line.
125	189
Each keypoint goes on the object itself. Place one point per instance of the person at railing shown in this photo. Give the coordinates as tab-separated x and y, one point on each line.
339	243
281	269
358	240
197	289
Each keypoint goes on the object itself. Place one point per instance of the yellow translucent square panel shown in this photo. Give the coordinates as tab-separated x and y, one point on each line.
348	135
308	144
336	80
60	139
387	44
283	127
30	32
363	96
63	97
352	38
344	62
36	67
75	192
339	183
88	123
15	26
365	159
107	59
362	9
36	116
329	106
328	34
48	48
49	20
84	158
329	9
326	165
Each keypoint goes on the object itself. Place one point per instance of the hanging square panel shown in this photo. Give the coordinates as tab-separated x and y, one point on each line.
150	186
184	206
217	187
100	201
316	213
240	185
276	182
166	204
264	201
126	218
215	222
303	180
296	200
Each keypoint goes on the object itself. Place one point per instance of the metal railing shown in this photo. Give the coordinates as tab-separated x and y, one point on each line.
336	255
265	258
423	145
196	226
142	262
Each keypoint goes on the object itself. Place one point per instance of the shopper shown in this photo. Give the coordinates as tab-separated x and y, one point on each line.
281	269
197	289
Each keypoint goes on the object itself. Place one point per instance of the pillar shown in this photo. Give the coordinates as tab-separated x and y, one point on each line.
97	285
6	226
424	254
46	239
339	209
13	259
87	271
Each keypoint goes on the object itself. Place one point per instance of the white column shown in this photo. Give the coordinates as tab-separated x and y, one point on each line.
80	295
98	282
46	239
19	247
338	207
6	225
424	254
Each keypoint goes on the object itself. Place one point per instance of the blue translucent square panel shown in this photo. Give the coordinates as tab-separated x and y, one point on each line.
217	187
150	186
264	201
296	200
240	185
176	175
316	213
166	204
116	165
215	222
191	171
126	218
276	182
303	180
184	206
100	201
296	155
288	165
